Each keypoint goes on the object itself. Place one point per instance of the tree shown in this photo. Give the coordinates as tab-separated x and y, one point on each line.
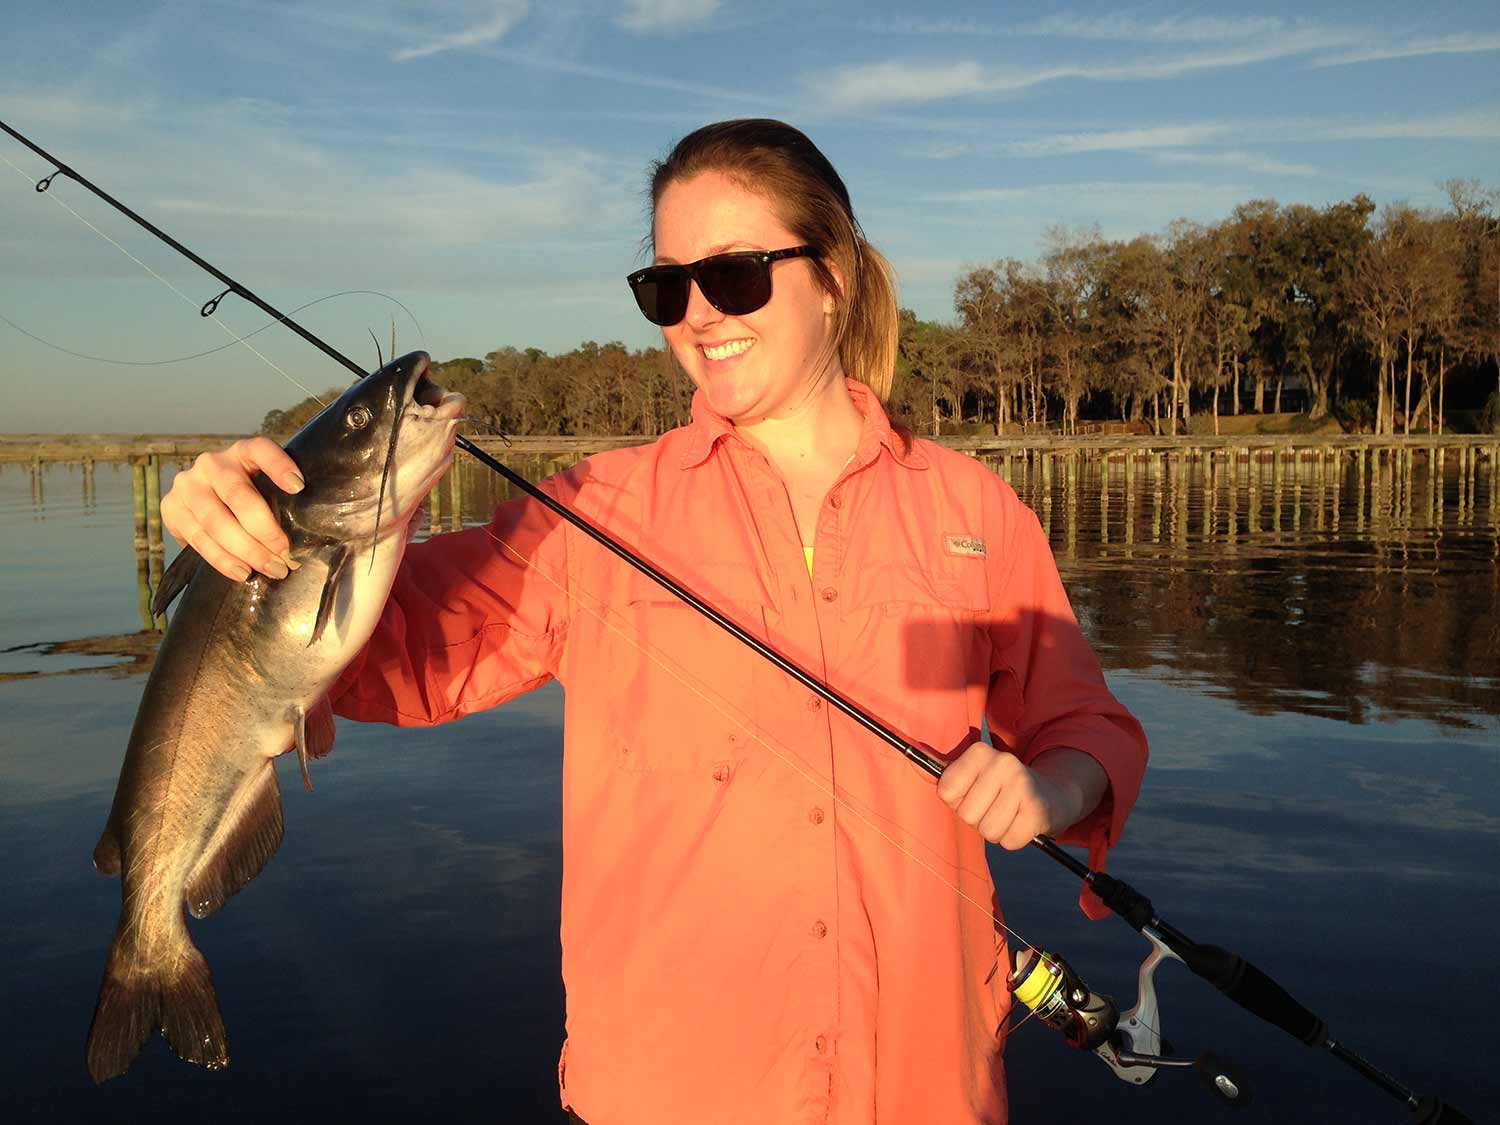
1377	302
928	380
1477	233
1003	312
1252	280
1316	252
1180	291
1131	330
282	423
1071	269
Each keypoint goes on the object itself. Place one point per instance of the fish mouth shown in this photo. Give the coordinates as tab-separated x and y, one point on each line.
430	401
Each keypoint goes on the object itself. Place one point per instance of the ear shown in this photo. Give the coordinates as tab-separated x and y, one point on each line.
830	301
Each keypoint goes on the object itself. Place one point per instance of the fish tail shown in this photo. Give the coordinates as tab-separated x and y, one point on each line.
174	996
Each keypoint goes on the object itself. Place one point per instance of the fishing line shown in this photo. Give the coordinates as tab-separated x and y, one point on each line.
1232	975
237	340
63	204
827	786
824	785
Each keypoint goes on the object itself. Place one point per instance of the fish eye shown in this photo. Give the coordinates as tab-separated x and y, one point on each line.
358	417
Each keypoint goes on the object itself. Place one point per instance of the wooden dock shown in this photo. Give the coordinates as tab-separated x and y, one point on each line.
1039	458
83	449
75	449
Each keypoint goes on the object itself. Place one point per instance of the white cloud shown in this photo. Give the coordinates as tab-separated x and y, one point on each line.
1244	161
1114	140
501	17
906	82
910	25
1111	27
1174	30
282	196
628	77
1159	141
1447	45
1204	45
665	15
872	85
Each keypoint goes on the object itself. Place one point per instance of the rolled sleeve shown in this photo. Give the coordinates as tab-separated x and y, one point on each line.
1046	688
475	617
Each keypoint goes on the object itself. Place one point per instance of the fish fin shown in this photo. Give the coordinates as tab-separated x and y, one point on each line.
315	730
175	578
314	735
107	852
247	836
336	572
133	1003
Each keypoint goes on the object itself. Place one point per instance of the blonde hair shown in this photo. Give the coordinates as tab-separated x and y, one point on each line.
774	160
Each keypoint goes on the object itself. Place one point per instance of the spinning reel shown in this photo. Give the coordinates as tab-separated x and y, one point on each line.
1129	1043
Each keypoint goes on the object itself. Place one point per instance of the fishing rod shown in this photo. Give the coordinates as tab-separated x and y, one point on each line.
1129	1042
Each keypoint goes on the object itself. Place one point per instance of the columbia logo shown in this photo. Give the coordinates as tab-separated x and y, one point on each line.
970	545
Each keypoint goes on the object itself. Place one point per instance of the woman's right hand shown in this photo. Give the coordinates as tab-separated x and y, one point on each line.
214	509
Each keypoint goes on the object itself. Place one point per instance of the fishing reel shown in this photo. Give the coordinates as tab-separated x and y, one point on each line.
1130	1043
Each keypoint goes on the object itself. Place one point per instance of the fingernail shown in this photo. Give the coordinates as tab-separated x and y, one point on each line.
241	574
294	482
277	569
292	564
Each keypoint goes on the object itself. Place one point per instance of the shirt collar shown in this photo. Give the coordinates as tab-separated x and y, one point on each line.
702	435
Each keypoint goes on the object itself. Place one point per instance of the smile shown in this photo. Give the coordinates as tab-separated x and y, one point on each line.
727	349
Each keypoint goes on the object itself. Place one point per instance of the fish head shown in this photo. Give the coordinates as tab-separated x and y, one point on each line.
370	457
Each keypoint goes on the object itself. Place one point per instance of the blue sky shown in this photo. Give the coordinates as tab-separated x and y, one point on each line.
483	160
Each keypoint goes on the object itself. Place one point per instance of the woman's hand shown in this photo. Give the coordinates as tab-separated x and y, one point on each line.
1009	802
214	509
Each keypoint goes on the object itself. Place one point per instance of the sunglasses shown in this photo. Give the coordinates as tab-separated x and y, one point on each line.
735	283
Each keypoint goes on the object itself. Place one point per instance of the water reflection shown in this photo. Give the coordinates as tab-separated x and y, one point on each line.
1312	647
1357	588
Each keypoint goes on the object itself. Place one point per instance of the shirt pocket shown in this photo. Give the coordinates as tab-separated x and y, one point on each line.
921	632
957	585
686	693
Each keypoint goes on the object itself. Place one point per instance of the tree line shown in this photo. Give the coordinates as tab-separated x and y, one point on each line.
1386	319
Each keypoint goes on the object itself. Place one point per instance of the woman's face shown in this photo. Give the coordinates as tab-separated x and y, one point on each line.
764	364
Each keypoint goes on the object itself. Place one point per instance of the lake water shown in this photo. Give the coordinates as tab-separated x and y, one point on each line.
1315	657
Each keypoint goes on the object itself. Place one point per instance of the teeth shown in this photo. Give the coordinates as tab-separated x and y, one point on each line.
725	350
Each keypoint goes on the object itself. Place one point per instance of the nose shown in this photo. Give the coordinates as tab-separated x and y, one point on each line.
700	313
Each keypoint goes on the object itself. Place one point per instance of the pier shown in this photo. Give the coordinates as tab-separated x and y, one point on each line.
1037	459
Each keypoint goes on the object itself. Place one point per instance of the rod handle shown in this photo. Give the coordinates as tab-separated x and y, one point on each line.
1252	990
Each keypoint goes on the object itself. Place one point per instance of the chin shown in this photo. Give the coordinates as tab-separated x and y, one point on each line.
738	404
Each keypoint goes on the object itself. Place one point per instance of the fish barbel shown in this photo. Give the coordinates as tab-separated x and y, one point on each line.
243	675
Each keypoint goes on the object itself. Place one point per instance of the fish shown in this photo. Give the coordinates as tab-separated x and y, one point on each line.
242	676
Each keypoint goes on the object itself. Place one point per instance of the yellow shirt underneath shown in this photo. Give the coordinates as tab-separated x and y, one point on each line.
807	553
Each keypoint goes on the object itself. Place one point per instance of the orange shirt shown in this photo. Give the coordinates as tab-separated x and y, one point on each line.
767	914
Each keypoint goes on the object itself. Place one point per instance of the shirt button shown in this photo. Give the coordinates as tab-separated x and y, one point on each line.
819	930
815	815
814	702
820	1044
830	594
835	501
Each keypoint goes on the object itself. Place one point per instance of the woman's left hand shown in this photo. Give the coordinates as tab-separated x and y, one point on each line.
1009	802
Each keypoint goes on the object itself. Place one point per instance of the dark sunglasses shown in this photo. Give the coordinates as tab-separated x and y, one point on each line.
735	283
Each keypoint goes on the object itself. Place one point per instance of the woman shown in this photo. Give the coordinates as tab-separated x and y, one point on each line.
767	916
